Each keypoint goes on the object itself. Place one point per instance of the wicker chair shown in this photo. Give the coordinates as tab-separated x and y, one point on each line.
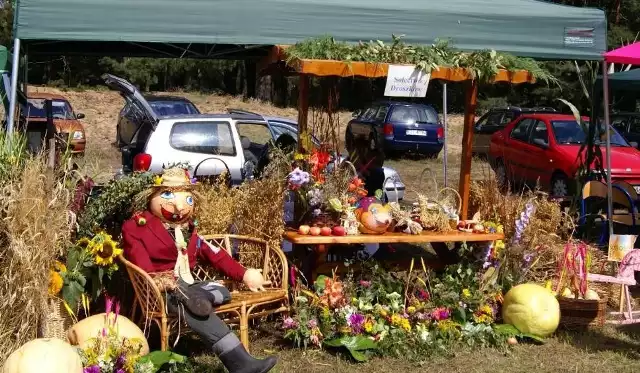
245	305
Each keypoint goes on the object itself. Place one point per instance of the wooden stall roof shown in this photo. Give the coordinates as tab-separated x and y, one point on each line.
326	68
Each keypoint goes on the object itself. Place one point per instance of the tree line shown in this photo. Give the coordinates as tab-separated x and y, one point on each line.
231	77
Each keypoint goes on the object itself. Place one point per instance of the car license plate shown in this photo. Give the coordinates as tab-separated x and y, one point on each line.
637	188
416	133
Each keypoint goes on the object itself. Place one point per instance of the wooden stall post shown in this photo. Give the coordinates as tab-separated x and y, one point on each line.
471	99
303	110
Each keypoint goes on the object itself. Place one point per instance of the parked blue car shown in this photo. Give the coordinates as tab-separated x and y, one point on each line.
396	127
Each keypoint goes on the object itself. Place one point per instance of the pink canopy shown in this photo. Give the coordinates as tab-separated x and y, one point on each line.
629	55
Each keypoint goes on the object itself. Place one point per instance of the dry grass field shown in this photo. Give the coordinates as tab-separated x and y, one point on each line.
614	350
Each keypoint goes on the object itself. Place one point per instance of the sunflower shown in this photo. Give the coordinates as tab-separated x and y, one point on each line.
105	252
55	283
58	266
84	243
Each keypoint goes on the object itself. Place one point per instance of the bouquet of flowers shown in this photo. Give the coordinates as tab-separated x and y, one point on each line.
87	263
110	353
326	192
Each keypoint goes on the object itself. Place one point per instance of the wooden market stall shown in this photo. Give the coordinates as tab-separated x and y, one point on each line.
307	68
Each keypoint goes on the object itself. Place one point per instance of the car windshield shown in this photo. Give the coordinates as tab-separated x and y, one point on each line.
35	109
173	107
412	114
570	132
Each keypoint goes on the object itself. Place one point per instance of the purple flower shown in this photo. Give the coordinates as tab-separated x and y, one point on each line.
108	304
120	361
298	177
312	323
289	323
422	316
365	284
523	222
91	369
120	370
355	321
193	180
440	313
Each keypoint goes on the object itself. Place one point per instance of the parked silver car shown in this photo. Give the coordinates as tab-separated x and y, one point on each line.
208	143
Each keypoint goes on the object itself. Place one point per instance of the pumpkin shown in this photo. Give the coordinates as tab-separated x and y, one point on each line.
532	309
87	329
44	355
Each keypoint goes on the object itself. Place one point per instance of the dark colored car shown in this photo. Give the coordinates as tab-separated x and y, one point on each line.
628	125
495	120
397	127
161	105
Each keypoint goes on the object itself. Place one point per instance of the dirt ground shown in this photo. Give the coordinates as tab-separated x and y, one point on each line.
614	350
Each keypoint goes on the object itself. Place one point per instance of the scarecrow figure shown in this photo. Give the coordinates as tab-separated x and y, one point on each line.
163	242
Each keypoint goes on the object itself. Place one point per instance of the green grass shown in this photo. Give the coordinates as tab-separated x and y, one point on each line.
615	350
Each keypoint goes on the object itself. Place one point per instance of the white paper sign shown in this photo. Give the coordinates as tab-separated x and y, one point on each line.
406	81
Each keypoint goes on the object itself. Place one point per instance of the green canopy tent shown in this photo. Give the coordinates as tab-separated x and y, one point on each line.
244	29
621	82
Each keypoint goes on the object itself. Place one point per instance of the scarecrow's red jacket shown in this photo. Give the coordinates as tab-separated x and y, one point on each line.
151	247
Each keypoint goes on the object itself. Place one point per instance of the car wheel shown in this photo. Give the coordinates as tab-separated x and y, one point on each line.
560	186
501	174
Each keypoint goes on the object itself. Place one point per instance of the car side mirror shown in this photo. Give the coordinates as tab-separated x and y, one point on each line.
246	143
79	116
633	144
541	143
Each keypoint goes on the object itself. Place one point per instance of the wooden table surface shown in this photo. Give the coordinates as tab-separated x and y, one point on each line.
392	237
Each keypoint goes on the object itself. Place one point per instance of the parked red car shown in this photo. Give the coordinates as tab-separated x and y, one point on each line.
544	148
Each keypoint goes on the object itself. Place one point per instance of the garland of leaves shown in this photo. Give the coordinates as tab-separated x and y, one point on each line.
482	65
113	205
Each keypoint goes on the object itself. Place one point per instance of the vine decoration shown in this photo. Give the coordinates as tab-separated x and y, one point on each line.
482	65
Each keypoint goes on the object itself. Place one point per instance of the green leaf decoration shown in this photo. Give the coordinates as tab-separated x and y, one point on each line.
160	358
319	284
536	339
379	194
356	345
506	329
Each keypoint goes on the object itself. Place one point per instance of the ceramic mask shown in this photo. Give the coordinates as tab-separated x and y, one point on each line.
172	206
374	217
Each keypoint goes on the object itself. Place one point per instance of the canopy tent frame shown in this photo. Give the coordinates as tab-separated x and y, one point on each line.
629	54
307	68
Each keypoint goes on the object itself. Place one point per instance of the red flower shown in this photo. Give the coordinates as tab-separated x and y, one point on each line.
318	160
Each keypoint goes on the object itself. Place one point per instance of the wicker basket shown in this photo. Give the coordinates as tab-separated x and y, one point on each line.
56	321
581	314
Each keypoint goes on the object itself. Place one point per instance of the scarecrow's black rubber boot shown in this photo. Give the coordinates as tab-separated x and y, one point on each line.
193	299
238	360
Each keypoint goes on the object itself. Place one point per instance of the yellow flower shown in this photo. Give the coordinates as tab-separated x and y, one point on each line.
368	326
404	324
354	300
466	293
396	320
499	245
84	243
55	283
447	326
299	157
382	312
500	228
105	252
157	180
345	330
59	267
411	310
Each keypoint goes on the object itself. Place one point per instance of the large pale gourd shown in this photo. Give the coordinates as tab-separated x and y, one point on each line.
84	331
45	355
532	309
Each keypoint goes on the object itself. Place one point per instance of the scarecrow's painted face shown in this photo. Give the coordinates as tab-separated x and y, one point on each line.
172	206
